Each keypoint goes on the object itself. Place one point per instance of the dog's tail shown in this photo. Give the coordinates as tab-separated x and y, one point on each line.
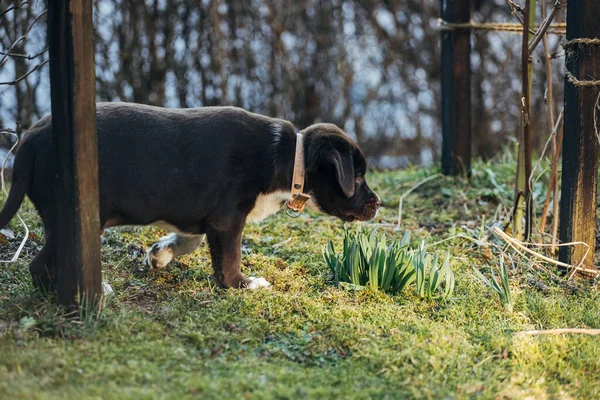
21	177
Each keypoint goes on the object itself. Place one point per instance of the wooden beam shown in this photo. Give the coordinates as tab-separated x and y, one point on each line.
580	143
456	89
72	82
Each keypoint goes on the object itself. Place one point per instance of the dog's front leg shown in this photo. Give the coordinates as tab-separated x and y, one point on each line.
226	253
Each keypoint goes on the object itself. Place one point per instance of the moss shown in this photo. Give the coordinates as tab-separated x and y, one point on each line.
173	334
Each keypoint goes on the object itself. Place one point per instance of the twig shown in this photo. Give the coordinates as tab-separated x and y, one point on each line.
552	135
514	6
527	86
23	37
541	32
556	146
560	331
282	243
515	9
556	198
25	56
479	242
596	109
31	71
21	4
409	191
523	197
520	247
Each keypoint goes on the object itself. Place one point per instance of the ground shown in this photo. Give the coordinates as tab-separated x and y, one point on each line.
173	334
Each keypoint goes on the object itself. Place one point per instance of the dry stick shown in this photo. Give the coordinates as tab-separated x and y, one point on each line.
555	155
541	32
554	174
596	109
543	153
413	187
514	6
554	191
515	9
556	197
283	243
523	198
549	93
478	242
526	257
560	331
520	247
527	85
517	244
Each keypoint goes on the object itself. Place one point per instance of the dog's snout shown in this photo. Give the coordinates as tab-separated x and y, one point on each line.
375	200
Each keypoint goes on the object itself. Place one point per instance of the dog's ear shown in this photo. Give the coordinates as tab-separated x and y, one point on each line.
344	168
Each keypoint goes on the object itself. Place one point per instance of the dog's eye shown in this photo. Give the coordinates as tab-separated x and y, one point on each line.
359	178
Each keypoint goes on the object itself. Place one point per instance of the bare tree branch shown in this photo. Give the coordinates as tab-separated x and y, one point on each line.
25	56
31	71
21	4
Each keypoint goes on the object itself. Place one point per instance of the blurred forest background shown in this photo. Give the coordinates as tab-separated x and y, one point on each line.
369	66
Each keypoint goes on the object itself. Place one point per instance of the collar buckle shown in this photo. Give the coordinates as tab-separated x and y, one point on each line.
297	202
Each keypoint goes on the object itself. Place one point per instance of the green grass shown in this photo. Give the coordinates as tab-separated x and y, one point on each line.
173	334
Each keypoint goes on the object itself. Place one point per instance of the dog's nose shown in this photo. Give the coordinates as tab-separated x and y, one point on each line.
376	200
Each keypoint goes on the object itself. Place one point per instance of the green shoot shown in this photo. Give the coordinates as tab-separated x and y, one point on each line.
368	261
502	288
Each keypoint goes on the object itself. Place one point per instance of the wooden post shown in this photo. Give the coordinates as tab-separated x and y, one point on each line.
456	89
580	143
72	82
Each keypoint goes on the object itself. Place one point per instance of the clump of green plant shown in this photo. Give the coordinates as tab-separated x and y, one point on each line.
367	260
429	276
502	288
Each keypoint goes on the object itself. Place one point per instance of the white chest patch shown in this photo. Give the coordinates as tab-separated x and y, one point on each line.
267	204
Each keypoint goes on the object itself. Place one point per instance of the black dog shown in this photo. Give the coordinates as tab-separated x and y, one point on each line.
199	172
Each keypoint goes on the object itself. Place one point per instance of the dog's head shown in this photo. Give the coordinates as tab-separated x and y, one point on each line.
335	174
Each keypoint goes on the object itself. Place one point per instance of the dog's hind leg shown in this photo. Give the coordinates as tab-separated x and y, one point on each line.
42	268
170	246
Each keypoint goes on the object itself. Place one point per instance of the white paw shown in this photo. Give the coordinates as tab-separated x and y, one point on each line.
106	289
158	256
257	283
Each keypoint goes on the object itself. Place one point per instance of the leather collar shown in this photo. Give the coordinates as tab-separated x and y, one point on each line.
298	198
